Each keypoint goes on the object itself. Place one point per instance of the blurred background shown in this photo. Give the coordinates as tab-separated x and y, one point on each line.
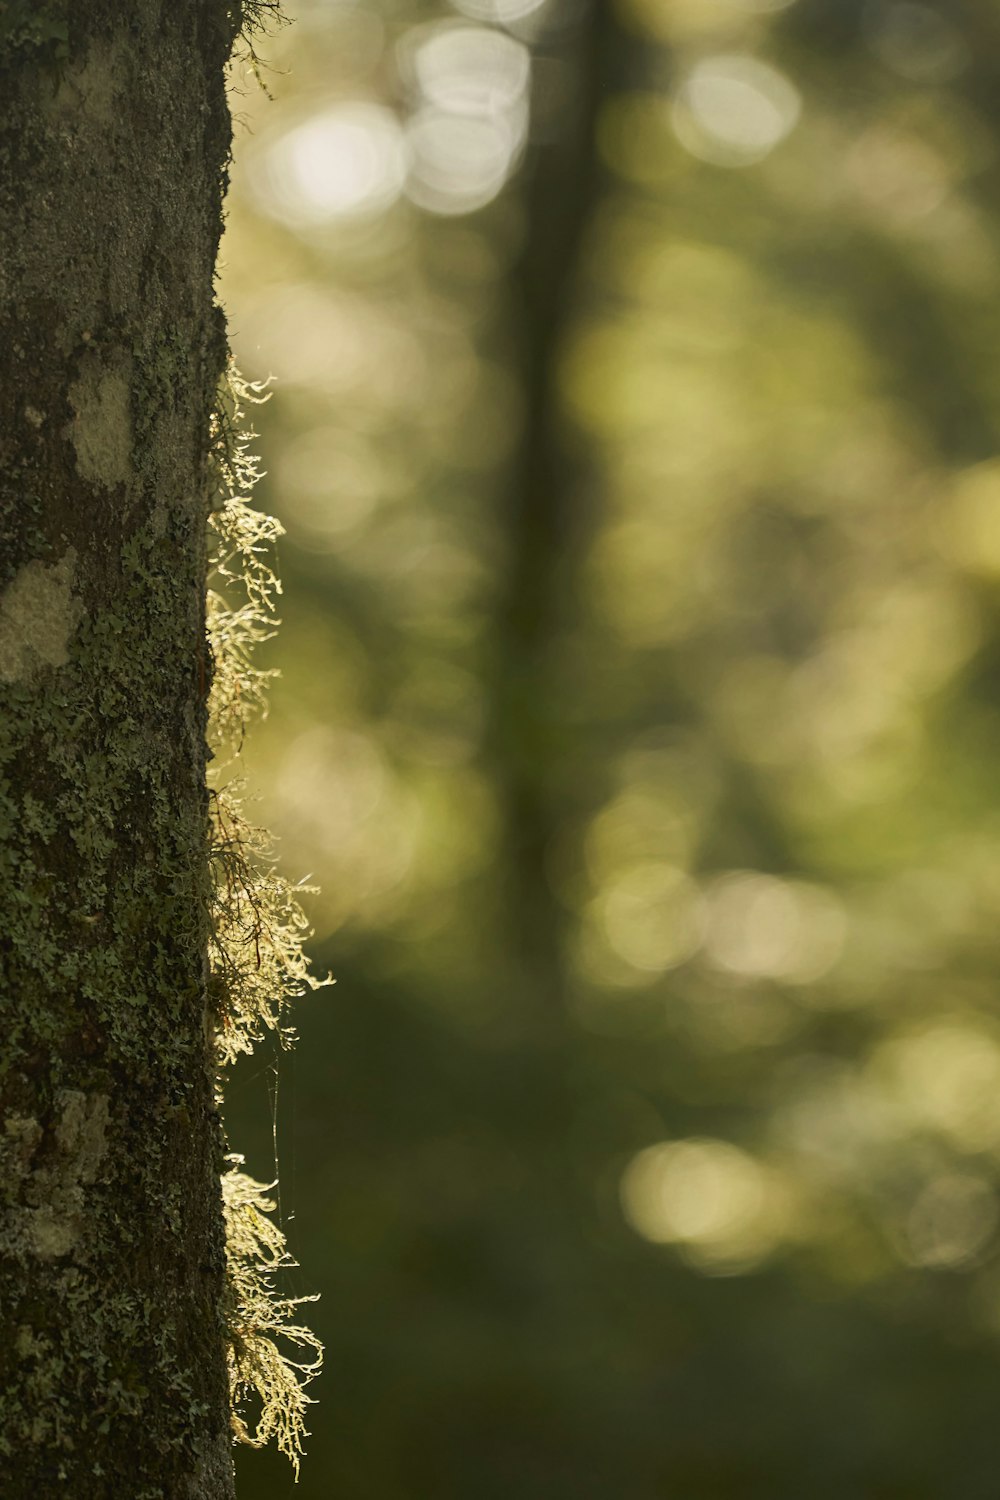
635	429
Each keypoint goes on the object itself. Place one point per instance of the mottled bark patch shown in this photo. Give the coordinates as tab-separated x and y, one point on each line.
89	84
38	615
48	1220
101	431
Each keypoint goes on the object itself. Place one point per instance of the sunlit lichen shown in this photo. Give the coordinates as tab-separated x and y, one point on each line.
243	586
257	960
259	1316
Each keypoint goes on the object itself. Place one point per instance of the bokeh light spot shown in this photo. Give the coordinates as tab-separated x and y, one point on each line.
761	927
651	916
500	12
470	70
944	1077
347	162
470	123
706	1195
459	163
732	110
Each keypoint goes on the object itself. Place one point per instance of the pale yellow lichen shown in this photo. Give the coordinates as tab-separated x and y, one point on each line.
255	1250
38	614
257	960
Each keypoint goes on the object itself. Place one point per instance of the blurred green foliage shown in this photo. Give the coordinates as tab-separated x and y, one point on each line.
639	718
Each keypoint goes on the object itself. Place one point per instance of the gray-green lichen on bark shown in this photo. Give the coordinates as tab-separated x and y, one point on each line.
114	134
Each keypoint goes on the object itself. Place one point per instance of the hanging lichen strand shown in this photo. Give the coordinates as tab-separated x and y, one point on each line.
256	957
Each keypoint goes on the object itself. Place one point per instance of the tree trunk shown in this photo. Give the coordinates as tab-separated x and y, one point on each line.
545	515
114	134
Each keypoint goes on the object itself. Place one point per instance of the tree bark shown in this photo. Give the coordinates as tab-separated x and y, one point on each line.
114	134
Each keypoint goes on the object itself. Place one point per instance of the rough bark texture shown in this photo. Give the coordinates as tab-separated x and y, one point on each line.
114	134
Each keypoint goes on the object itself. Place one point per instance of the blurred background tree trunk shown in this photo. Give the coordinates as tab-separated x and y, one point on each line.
114	134
543	504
